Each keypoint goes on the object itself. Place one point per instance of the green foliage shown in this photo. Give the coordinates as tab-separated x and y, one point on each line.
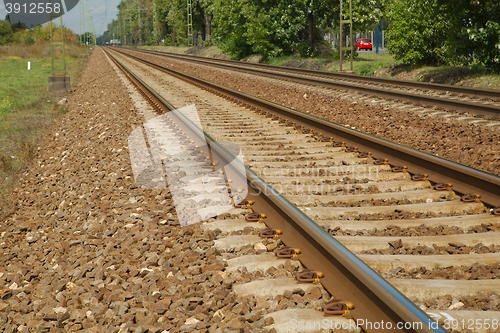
276	30
139	22
269	27
451	32
475	33
366	13
19	34
240	28
418	32
230	27
6	33
305	50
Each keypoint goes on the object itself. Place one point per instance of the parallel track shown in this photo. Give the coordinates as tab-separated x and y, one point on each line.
464	99
354	272
464	179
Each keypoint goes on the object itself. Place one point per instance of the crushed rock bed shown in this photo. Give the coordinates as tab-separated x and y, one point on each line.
480	302
452	248
468	144
475	272
421	230
86	250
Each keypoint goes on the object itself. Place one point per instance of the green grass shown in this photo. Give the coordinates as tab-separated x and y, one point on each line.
27	111
487	81
24	87
365	63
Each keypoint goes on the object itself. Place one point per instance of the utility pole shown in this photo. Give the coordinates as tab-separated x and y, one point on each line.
190	22
91	24
155	23
342	36
59	83
139	23
82	23
124	31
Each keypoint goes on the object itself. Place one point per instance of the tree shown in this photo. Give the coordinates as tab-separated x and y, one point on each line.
276	30
452	32
206	7
319	14
6	33
230	25
269	27
474	36
240	28
367	13
418	32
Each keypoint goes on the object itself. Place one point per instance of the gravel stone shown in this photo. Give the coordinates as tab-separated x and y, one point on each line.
85	250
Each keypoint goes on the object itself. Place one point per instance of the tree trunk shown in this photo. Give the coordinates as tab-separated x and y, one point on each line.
310	29
343	34
208	26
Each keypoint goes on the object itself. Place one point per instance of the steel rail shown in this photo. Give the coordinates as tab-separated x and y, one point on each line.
481	93
487	110
375	299
464	179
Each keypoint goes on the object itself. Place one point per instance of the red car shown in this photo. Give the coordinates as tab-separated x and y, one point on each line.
363	44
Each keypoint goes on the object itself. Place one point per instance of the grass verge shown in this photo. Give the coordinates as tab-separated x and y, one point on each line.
365	63
27	109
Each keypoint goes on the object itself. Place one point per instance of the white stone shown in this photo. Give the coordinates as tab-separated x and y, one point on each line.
60	309
260	247
219	314
191	321
456	306
70	285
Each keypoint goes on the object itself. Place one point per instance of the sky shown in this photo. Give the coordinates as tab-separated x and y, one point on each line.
102	12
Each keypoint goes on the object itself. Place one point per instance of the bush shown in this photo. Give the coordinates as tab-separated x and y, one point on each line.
6	33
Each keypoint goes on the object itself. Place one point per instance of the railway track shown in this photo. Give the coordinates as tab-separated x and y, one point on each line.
472	101
371	206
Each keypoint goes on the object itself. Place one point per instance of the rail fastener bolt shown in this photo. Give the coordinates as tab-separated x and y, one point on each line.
309	276
287	253
399	168
338	308
443	186
270	233
470	198
419	177
255	217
